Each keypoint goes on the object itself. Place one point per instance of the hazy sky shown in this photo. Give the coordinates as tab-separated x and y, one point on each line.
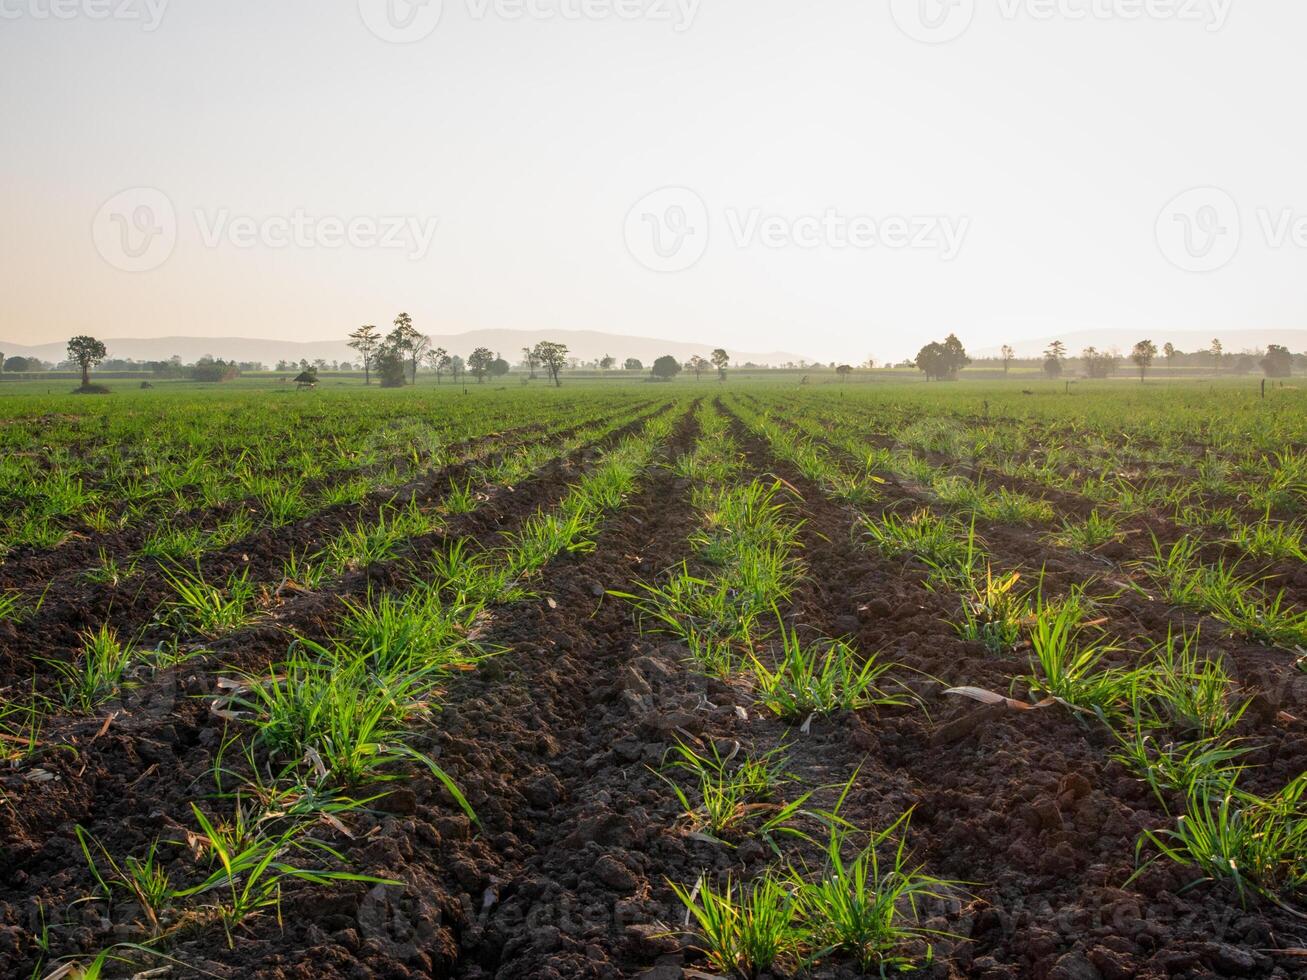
840	178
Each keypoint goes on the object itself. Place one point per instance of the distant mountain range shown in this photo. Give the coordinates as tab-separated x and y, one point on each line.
586	344
1233	341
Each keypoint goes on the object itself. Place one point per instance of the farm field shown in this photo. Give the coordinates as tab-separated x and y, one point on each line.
642	680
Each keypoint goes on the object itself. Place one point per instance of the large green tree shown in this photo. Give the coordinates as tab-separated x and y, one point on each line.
408	343
666	368
942	361
552	357
1278	362
1143	355
86	352
389	364
479	361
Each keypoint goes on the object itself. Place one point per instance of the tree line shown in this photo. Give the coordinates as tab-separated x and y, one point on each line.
1276	362
394	358
206	368
944	360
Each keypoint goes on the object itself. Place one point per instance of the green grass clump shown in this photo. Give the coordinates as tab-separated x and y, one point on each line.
944	544
206	609
1256	844
1193	695
820	678
1271	541
1219	590
994	611
412	633
1092	533
864	906
1070	666
734	796
743	930
329	710
96	673
858	904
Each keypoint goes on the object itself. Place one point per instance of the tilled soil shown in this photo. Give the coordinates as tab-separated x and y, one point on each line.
557	744
1029	806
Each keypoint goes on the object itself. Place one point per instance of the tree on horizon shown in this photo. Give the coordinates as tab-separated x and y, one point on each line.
942	361
552	357
408	342
438	360
365	340
86	352
1143	355
1008	355
666	368
721	361
479	361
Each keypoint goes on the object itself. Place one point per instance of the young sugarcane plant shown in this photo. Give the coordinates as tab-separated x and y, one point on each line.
743	931
1069	668
994	612
820	678
737	796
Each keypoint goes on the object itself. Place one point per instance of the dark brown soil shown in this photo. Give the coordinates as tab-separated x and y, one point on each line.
556	743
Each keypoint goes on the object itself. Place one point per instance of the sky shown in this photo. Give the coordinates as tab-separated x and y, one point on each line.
844	179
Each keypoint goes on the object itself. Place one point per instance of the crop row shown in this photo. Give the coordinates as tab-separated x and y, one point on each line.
133	470
1248	602
1172	708
321	736
835	890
